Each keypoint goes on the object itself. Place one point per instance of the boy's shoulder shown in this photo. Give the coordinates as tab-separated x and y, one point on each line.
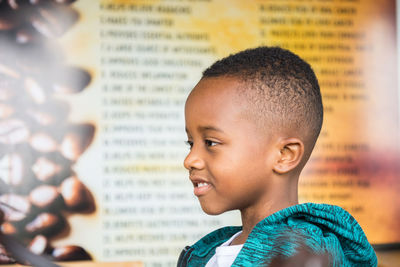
321	228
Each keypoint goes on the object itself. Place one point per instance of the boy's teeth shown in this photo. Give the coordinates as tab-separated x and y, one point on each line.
202	184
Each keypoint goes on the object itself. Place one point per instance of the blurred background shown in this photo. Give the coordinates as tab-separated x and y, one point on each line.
92	128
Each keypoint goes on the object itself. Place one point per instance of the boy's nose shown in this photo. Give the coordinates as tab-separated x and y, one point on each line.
193	161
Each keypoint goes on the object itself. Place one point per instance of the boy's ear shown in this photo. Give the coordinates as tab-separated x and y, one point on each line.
291	154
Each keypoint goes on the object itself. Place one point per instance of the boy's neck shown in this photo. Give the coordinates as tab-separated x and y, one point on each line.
279	199
250	220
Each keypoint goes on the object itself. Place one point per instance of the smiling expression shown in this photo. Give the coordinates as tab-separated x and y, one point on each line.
230	160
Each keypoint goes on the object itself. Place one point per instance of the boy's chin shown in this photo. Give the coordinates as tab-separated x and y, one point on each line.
212	210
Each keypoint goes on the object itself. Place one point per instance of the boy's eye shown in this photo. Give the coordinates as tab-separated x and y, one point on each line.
210	143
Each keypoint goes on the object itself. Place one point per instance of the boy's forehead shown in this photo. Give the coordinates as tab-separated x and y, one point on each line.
216	102
216	89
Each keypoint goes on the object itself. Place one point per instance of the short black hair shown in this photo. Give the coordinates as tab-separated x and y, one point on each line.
278	83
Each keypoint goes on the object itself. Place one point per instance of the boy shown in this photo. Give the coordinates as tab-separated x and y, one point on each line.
252	122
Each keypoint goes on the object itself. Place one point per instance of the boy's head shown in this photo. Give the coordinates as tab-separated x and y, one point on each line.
281	88
253	117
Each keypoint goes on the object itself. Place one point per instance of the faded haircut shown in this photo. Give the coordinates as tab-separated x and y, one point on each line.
281	87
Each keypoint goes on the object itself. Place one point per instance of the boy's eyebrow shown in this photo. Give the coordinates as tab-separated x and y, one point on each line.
209	128
206	128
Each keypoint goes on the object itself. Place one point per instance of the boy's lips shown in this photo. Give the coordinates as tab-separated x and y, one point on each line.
201	186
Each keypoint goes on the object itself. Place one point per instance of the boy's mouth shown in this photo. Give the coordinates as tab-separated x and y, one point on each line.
201	188
201	184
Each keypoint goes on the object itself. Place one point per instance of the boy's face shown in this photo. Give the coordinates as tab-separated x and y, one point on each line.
230	161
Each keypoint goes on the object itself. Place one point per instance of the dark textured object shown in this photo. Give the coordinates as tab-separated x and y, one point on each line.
71	80
76	195
45	196
8	228
22	254
77	138
7	21
1	217
53	21
46	223
39	245
37	142
70	253
15	207
4	256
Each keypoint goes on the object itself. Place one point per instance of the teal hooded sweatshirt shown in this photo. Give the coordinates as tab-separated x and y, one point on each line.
322	229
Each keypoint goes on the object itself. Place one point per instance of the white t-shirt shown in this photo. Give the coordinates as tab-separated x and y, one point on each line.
225	254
